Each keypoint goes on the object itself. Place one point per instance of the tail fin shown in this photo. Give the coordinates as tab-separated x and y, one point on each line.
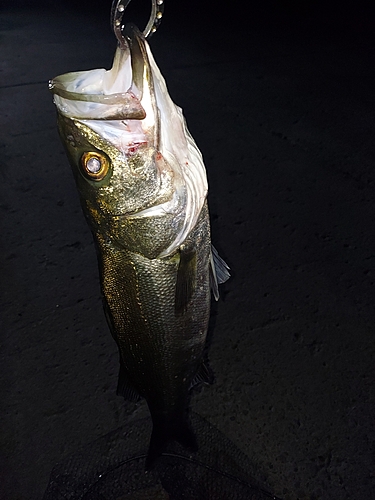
166	430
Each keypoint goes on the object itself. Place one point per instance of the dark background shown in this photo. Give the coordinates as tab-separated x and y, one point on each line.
280	99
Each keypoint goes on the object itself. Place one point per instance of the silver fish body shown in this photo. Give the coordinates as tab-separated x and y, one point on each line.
143	189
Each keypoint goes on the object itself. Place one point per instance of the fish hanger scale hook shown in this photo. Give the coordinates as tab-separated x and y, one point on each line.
117	13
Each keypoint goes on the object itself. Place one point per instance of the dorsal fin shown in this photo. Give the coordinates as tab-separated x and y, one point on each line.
219	272
204	375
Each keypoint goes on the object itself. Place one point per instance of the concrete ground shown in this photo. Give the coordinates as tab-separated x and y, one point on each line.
285	120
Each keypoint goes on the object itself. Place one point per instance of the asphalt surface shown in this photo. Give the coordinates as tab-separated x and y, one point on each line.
285	121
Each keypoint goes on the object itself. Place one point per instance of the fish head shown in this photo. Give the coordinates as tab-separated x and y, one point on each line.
114	183
128	143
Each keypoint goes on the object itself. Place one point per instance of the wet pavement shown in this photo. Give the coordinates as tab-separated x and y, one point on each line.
285	123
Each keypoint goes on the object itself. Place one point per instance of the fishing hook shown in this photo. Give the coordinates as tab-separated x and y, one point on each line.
117	13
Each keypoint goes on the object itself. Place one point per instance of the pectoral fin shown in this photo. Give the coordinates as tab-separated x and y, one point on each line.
186	279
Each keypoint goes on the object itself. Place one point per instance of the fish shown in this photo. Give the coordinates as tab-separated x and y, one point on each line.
143	190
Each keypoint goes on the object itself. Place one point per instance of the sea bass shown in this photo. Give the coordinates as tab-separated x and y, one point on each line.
143	188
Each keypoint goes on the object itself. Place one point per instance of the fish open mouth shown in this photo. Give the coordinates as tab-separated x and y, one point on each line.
119	104
116	94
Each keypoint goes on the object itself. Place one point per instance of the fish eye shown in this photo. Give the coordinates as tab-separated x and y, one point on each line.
95	165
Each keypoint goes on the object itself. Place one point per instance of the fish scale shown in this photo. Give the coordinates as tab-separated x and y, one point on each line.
147	288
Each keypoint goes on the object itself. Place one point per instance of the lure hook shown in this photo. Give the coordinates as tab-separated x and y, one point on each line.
117	13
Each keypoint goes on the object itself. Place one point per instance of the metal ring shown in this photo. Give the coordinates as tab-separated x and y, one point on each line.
117	13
